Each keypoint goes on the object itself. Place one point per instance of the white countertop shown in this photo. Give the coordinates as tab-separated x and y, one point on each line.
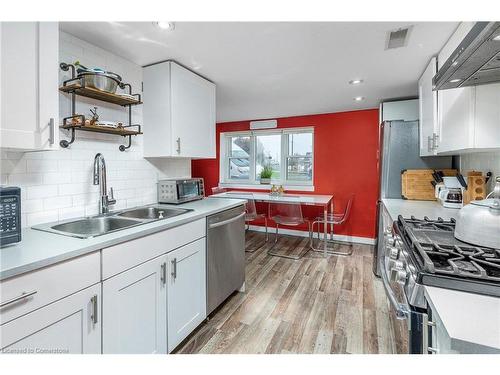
419	209
472	321
39	249
306	199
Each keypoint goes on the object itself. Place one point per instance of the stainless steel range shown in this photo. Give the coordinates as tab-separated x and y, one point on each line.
421	252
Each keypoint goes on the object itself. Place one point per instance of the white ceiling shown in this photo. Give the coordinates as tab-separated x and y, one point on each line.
275	69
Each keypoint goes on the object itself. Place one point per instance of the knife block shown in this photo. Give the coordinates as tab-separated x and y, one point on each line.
476	187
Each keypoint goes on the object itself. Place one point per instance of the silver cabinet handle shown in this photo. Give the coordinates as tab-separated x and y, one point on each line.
164	273
52	131
221	223
95	312
435	139
174	268
178	145
18	298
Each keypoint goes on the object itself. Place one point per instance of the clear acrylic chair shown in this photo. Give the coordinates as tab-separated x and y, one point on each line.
251	213
218	190
332	220
287	214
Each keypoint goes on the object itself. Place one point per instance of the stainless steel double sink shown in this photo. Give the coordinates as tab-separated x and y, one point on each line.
103	224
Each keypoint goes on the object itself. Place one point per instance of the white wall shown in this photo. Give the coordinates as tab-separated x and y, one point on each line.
57	185
482	161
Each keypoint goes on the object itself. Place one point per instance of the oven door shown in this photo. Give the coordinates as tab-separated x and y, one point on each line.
188	190
414	338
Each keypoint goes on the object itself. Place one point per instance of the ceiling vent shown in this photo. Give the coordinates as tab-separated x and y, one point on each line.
398	38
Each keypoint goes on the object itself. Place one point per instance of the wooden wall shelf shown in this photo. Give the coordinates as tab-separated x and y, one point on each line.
90	92
76	86
102	129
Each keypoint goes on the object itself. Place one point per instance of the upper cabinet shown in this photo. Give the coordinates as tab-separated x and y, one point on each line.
179	112
429	129
457	120
29	113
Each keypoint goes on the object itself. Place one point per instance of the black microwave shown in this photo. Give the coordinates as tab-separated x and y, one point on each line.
10	215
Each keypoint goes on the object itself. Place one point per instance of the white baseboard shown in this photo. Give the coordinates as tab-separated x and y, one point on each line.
301	233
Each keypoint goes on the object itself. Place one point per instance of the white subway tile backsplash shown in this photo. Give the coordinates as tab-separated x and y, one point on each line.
41	217
13	166
56	178
25	179
71	212
57	202
31	205
41	191
484	162
37	166
57	185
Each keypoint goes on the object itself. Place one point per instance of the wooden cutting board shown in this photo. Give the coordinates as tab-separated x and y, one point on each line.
416	183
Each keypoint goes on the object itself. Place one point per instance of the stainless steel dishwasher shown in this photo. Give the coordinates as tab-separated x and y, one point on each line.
225	255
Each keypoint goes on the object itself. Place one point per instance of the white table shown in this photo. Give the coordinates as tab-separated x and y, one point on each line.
325	201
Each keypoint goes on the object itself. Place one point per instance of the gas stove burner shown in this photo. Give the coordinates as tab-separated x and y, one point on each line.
426	223
464	266
438	252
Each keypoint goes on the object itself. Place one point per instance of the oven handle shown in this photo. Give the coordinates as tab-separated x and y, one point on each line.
402	311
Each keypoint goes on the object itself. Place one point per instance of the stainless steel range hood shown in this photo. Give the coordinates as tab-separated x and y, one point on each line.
476	61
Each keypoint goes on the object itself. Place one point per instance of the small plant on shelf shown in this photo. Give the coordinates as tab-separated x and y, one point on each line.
266	174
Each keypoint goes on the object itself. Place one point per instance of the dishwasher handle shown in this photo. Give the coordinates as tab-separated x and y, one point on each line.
228	221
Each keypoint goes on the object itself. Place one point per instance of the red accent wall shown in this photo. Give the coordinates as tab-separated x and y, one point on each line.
345	162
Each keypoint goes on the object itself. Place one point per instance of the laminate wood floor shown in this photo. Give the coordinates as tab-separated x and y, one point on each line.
313	305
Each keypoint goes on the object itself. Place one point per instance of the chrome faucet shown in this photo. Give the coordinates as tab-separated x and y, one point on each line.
100	179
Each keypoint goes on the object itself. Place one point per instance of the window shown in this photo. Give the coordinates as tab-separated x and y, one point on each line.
288	152
299	158
239	158
268	153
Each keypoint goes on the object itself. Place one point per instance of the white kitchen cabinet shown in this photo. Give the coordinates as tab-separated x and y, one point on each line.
427	105
134	311
469	119
186	291
456	119
29	85
69	325
439	340
178	112
487	119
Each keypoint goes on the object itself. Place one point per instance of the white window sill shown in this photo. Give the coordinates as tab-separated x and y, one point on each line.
265	186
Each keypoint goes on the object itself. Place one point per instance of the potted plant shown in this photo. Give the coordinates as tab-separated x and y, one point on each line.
265	175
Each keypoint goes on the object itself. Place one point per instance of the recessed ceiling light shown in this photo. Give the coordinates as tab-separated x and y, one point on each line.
355	81
165	25
496	38
455	80
359	98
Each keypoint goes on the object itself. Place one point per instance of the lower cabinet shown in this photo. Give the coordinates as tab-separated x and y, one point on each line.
186	291
69	325
135	310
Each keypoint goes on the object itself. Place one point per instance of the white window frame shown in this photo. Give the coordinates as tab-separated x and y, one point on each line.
253	182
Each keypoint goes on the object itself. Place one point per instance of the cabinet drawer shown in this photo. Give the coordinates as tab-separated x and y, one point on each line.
47	285
65	326
118	258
